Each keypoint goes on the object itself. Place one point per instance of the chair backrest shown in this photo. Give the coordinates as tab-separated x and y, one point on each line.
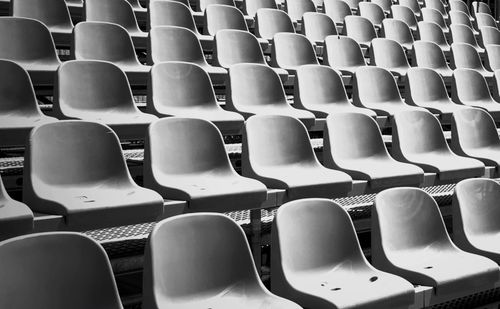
337	10
291	50
250	7
353	4
490	35
412	4
465	55
57	270
52	13
459	5
171	43
424	85
374	84
181	261
384	4
436	5
297	8
219	16
372	12
201	5
398	31
317	26
473	128
463	34
359	28
484	19
405	14
427	54
460	18
268	22
236	46
91	85
103	41
493	59
480	7
113	11
432	32
386	53
433	15
469	85
342	51
170	13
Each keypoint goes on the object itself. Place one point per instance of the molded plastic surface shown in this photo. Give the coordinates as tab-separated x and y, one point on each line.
427	54
297	8
431	32
373	12
390	55
292	50
405	14
359	28
317	26
464	34
268	22
465	56
343	54
398	31
337	10
15	217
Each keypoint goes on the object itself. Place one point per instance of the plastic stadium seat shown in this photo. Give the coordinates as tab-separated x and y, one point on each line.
320	90
353	144
173	13
484	19
475	210
343	54
384	4
427	54
425	88
437	5
15	217
329	269
464	34
432	15
98	91
490	35
19	111
492	62
431	32
317	26
109	42
268	22
52	13
201	5
465	56
256	89
390	55
250	7
337	10
292	50
409	239
405	14
461	6
57	270
398	31
428	149
277	151
376	89
413	5
170	43
35	52
353	4
184	89
185	159
76	169
480	7
118	12
359	28
186	267
236	46
297	8
460	18
474	134
373	12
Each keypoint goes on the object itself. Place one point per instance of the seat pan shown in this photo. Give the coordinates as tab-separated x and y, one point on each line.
488	155
441	106
278	109
491	106
112	117
15	218
323	110
27	121
389	108
488	243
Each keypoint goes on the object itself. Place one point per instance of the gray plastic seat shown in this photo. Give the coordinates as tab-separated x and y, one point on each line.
427	54
297	8
461	6
384	4
250	7
185	267
480	7
398	31
35	52
329	269
185	159
390	55
413	5
118	12
425	87
256	89
343	54
471	88
433	15
431	32
464	34
276	150
460	18
474	134
174	13
485	20
171	43
184	89
201	5
490	36
86	180
428	149
475	212
376	89
52	13
237	46
292	50
360	29
98	91
109	42
409	239
268	22
405	14
57	270
465	56
317	26
373	12
492	62
354	5
337	10
19	111
15	217
353	143
320	90
437	5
